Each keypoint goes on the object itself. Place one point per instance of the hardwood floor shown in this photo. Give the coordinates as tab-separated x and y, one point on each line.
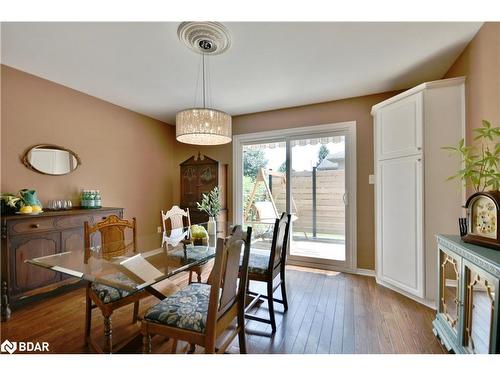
328	312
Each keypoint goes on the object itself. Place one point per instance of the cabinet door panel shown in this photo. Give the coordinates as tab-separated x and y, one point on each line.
481	302
27	276
399	210
449	289
399	128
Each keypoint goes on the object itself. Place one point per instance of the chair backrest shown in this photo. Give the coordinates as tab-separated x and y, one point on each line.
112	231
176	217
226	289
280	241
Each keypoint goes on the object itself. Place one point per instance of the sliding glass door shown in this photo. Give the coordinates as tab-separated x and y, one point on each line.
317	184
309	173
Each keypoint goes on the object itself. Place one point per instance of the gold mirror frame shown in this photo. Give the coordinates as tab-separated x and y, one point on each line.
27	163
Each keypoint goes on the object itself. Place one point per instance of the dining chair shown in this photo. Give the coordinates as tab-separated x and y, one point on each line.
107	298
200	313
179	221
265	266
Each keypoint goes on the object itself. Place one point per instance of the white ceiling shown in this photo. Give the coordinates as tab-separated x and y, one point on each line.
144	67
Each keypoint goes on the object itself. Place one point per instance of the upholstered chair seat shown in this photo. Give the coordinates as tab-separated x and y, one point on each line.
259	261
108	294
186	309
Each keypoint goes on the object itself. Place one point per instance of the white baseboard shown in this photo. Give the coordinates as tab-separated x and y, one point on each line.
430	304
364	272
331	267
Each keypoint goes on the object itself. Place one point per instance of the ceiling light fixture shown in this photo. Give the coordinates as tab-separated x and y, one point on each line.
204	126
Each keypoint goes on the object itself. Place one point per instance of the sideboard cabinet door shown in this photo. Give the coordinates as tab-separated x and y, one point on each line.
481	332
450	296
24	276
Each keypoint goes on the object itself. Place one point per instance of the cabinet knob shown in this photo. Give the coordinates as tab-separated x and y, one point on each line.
419	148
35	225
103	218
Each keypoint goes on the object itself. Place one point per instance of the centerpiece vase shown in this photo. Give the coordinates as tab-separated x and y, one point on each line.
212	231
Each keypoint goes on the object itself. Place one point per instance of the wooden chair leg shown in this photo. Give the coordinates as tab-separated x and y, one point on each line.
190	279
136	312
146	343
241	331
283	291
270	303
174	346
108	334
88	316
210	348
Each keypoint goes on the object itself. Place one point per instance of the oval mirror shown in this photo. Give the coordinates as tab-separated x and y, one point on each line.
51	159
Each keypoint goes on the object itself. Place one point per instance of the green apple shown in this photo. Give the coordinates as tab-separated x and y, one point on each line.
197	231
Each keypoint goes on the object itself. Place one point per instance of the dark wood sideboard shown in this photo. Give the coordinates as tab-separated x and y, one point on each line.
30	236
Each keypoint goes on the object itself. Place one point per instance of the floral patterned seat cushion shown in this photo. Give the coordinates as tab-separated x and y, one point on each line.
109	294
258	262
186	309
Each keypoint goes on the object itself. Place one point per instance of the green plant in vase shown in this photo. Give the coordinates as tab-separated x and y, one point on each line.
211	204
480	161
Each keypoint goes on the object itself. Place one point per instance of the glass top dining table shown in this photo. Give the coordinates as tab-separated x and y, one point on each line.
155	258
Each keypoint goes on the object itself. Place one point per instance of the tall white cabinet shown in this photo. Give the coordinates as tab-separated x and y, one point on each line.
413	200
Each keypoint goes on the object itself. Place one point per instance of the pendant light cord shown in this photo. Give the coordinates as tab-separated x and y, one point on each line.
203	63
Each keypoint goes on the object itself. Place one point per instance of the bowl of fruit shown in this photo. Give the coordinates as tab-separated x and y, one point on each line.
30	210
25	202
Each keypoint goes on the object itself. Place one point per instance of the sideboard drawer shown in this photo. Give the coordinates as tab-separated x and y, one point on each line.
67	222
104	215
31	225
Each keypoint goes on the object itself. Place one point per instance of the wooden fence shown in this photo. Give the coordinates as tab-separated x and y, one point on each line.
330	210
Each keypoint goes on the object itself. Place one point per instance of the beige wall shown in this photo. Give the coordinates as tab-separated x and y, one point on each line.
126	155
480	63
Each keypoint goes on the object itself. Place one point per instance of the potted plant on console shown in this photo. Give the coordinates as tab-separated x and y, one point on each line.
211	205
480	163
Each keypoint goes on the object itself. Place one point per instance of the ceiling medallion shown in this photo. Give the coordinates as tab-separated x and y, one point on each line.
204	126
194	33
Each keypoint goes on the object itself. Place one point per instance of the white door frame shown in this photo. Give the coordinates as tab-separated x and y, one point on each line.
349	128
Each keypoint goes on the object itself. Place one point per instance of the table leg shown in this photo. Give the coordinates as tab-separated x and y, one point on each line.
5	310
155	293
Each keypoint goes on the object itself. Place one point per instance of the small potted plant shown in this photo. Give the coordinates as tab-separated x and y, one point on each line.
480	164
211	205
